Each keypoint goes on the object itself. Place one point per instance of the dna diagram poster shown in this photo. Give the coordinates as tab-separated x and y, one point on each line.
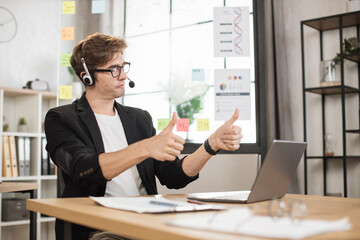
231	32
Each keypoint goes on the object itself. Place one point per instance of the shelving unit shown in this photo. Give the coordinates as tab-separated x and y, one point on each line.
339	23
33	105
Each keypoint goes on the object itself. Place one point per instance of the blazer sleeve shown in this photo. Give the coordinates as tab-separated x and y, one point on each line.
70	146
171	174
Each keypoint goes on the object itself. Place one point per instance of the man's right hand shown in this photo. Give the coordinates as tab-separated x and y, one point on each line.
166	145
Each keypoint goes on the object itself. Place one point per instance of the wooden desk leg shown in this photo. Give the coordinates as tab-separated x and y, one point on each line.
33	195
67	230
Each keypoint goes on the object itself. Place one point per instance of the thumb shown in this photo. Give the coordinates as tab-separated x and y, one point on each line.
233	118
172	122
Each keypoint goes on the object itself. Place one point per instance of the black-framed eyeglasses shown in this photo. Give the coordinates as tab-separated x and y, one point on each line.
116	70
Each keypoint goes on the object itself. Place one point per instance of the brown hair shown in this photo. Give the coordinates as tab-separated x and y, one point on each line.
97	49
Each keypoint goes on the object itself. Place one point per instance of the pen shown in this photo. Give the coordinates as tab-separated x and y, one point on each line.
194	202
163	203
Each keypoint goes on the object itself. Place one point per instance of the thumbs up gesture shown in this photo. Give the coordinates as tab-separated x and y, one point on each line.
227	136
166	145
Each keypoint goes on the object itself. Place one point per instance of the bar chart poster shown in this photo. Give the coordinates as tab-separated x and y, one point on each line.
231	32
232	90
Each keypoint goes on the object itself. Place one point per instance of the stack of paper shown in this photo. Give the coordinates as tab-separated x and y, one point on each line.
243	222
152	204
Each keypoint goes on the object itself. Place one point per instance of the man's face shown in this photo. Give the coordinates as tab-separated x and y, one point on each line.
106	84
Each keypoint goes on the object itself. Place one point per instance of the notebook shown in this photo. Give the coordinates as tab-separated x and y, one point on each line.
272	181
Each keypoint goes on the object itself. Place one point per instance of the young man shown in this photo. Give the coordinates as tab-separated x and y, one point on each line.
103	148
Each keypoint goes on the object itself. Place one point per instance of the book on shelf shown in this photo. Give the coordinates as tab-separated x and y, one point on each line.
27	154
20	147
52	168
47	165
44	158
6	164
13	157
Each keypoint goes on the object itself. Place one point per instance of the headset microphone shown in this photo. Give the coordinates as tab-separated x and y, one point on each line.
131	83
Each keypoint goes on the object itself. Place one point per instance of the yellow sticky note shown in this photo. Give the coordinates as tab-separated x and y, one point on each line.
65	92
162	123
65	59
68	7
202	124
67	33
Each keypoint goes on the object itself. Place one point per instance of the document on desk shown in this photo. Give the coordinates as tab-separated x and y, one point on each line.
241	221
153	204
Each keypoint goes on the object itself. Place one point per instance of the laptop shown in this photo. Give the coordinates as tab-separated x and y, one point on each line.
272	181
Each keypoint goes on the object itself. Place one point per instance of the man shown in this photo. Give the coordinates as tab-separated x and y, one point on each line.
103	148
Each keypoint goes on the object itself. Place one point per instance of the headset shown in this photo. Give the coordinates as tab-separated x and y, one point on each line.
86	78
88	81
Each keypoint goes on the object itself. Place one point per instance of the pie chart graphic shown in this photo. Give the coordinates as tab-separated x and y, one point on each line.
223	86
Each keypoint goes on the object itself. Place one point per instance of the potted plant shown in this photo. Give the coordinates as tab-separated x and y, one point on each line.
351	46
22	126
5	125
330	68
187	97
190	107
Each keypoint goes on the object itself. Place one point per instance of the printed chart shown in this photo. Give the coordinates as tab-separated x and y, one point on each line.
232	90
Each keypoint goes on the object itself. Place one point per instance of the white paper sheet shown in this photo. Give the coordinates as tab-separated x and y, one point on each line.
232	90
243	222
146	204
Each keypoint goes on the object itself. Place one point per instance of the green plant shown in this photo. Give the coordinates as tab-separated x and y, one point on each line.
189	108
350	45
22	121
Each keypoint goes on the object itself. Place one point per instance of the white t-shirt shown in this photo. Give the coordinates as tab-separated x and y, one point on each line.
128	183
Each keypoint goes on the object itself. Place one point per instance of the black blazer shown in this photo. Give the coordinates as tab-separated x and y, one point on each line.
74	143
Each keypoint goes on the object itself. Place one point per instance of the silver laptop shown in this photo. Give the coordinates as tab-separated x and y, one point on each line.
272	181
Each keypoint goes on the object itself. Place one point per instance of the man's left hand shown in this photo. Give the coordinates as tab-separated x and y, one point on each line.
227	136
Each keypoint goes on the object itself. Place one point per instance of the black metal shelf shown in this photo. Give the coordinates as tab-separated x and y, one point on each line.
332	22
335	22
330	90
332	157
354	57
353	131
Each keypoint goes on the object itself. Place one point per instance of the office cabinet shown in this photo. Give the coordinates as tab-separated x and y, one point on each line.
342	90
32	106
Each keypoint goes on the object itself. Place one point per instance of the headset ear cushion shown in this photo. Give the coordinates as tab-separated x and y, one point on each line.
87	80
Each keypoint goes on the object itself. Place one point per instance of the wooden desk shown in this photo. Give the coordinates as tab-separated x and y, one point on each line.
86	212
30	187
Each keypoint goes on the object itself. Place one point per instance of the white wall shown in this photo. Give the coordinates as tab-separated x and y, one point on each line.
223	172
33	53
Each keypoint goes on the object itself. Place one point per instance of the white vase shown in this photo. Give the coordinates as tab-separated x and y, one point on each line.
329	73
22	128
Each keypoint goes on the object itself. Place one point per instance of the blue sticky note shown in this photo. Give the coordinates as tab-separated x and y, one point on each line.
198	75
98	6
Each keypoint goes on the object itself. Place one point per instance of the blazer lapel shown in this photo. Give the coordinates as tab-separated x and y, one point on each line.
88	117
128	121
